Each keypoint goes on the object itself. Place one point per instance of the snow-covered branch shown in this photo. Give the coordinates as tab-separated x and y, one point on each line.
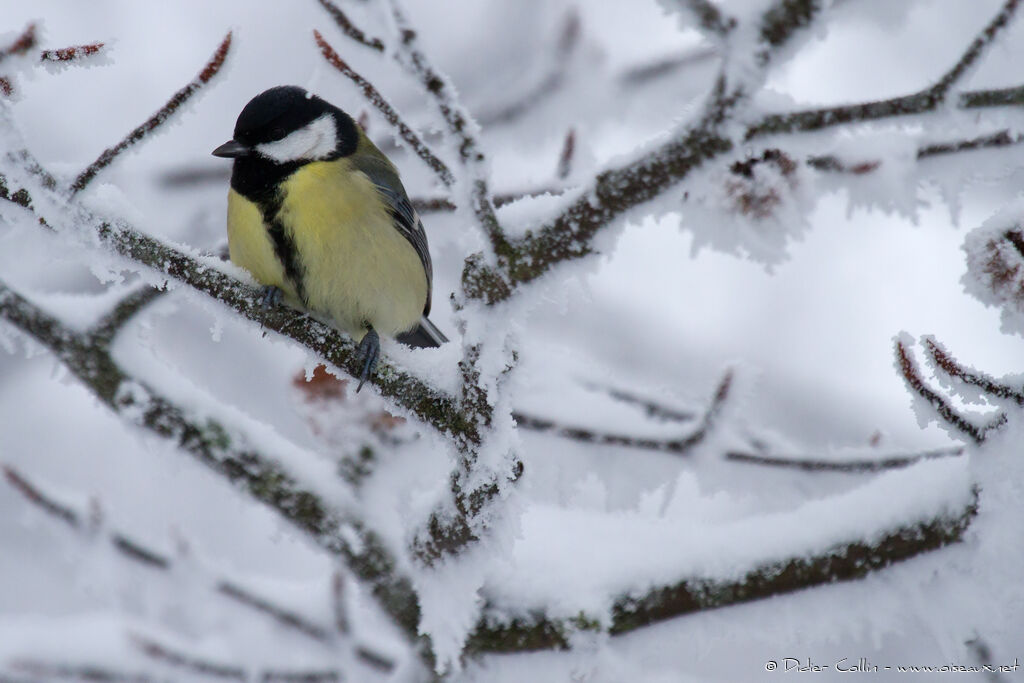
841	562
88	358
179	98
374	97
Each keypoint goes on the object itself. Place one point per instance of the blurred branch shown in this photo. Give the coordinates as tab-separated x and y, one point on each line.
384	107
709	17
569	236
939	404
841	562
25	41
979	649
876	464
137	551
201	666
190	663
177	100
565	158
48	671
643	73
549	84
122	313
212	445
945	361
974	50
459	125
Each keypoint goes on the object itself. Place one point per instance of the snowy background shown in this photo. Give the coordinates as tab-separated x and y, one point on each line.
675	298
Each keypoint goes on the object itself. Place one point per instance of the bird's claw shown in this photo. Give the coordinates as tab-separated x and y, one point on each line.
368	353
271	297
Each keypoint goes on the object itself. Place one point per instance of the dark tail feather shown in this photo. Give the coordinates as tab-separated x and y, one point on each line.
424	336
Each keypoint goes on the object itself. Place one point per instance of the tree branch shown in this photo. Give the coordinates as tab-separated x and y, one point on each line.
878	464
177	100
471	155
974	50
569	236
709	17
941	406
212	445
842	562
350	29
72	53
384	107
430	405
951	367
139	552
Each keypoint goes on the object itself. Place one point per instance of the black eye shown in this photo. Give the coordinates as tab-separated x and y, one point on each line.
276	133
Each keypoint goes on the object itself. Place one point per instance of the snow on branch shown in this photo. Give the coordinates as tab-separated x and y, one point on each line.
457	120
841	562
570	235
156	120
974	50
224	453
384	107
970	377
25	41
938	403
428	404
549	84
139	552
73	53
873	464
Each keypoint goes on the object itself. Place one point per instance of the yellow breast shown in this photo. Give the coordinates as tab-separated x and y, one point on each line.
356	267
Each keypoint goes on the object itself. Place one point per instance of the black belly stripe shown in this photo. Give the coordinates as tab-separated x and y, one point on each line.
284	245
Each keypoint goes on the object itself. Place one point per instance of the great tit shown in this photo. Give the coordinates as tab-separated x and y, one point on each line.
318	214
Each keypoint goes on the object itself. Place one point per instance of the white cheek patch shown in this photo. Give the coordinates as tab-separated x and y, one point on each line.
315	140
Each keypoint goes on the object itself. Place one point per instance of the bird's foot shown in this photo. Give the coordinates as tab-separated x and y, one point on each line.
368	353
271	297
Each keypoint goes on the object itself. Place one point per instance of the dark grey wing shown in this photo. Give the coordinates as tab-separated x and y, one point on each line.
405	219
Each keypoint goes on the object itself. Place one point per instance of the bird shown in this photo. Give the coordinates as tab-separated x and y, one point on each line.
319	216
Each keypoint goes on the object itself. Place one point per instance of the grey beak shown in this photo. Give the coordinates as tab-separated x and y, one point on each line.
232	149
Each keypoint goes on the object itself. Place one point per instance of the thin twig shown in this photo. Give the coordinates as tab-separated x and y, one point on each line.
548	85
974	50
384	107
190	663
644	73
138	552
944	360
212	445
70	54
130	305
350	29
565	158
156	120
36	497
471	154
876	464
26	41
601	438
48	671
941	406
